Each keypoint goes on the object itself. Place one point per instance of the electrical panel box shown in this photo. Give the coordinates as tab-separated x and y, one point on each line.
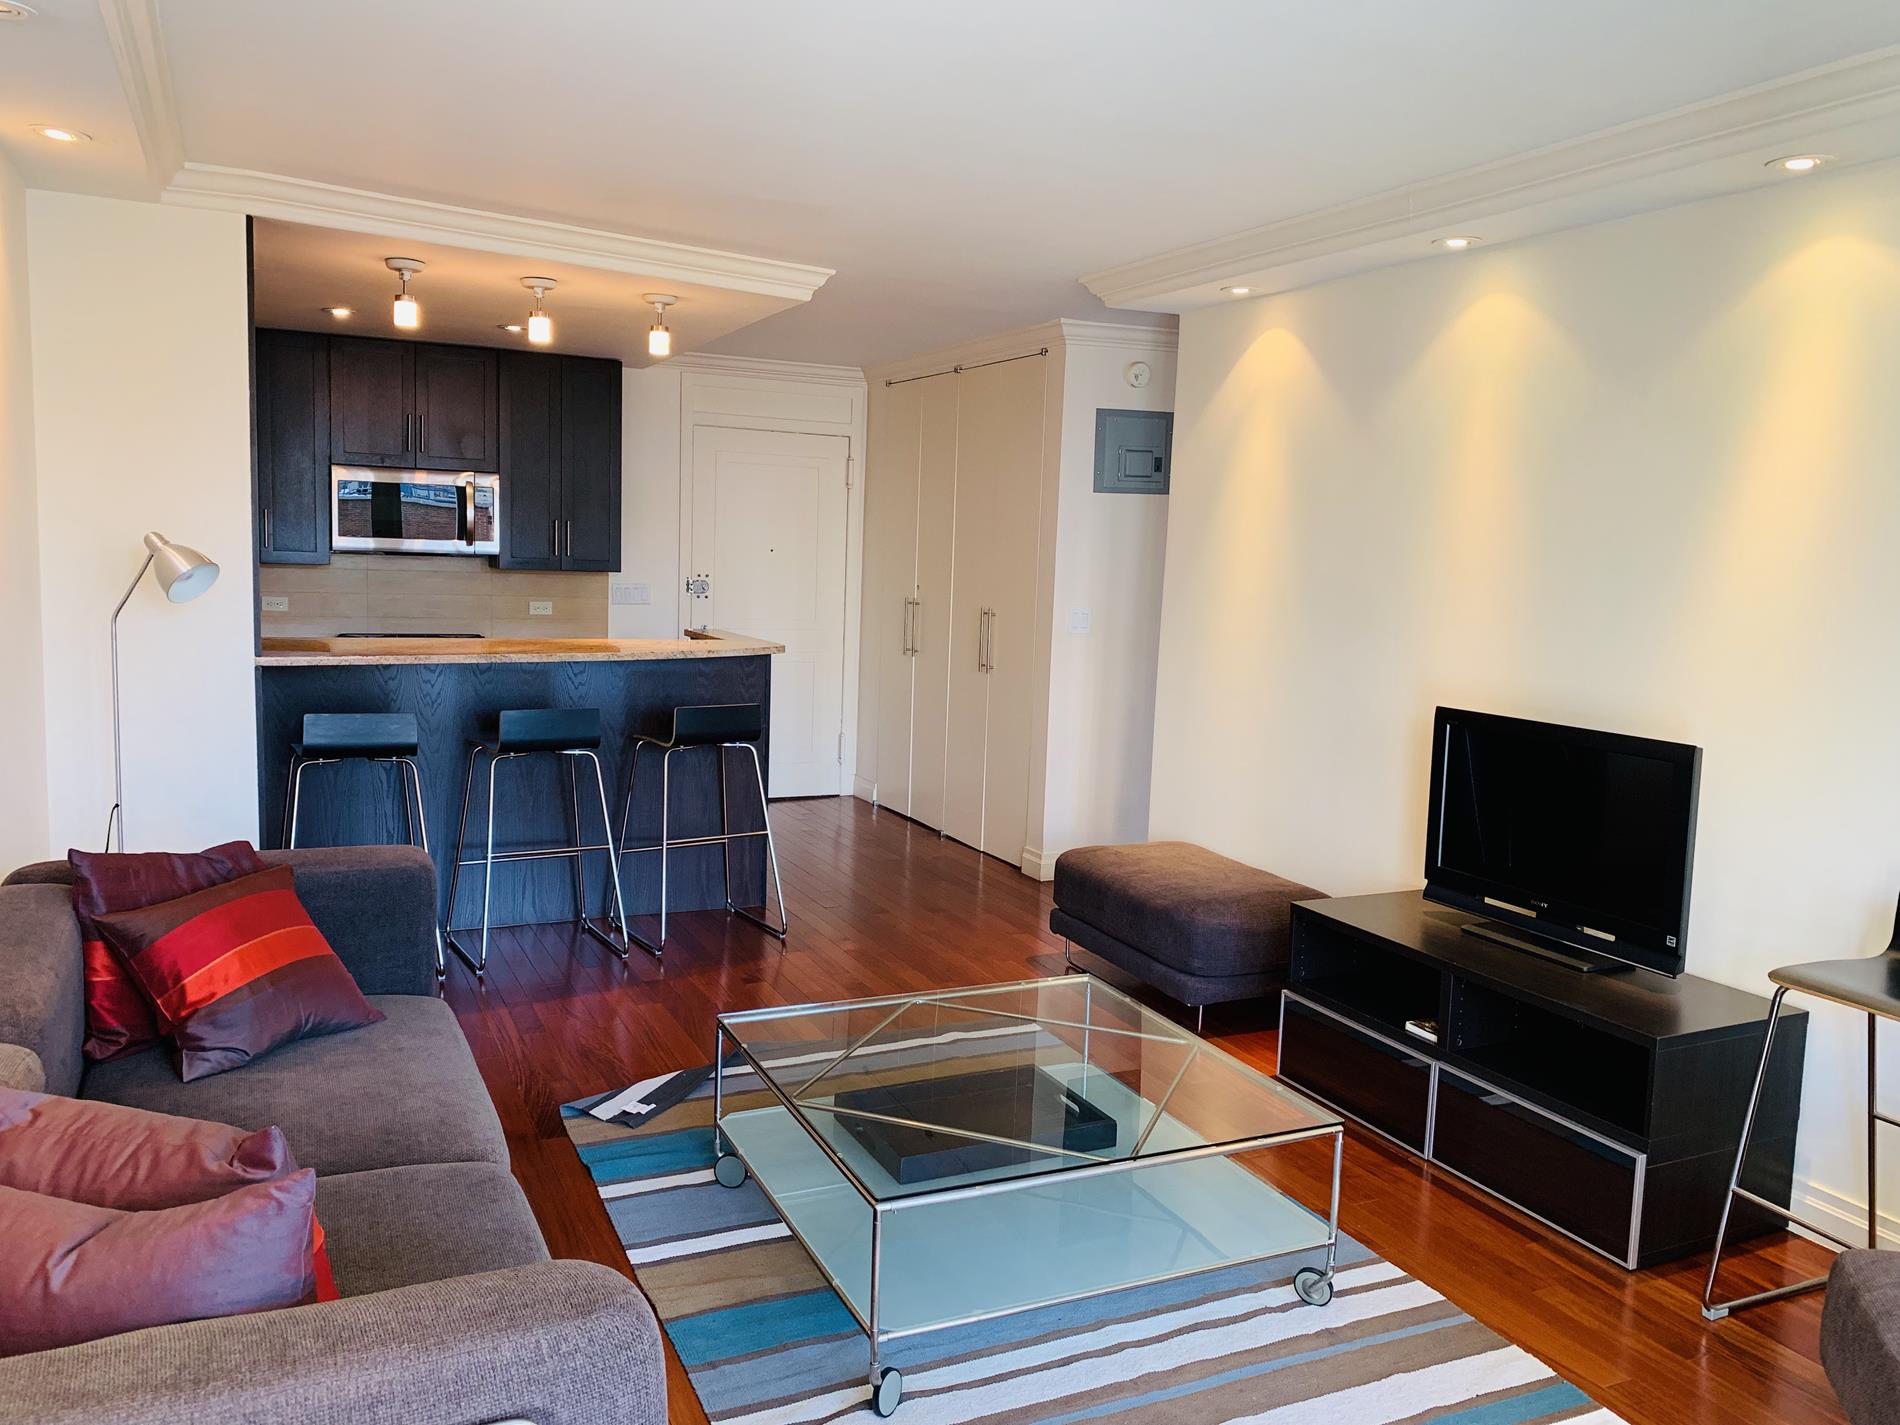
1132	452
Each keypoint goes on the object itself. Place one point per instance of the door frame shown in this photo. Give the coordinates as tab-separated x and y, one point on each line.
788	398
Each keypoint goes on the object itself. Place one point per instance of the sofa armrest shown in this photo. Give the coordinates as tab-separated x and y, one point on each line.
42	980
376	907
556	1343
20	1068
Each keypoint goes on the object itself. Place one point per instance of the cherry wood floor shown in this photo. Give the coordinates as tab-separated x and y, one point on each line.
881	905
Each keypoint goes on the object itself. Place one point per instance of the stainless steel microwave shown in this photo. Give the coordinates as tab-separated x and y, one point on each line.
414	511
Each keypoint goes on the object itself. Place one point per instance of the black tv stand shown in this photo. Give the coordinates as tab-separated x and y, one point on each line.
1607	1106
1586	962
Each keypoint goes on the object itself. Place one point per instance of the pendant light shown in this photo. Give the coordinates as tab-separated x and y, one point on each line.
407	312
659	339
540	325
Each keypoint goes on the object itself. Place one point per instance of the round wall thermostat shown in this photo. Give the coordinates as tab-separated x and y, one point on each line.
1138	374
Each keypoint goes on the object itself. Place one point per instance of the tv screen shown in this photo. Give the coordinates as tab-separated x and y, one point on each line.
1579	836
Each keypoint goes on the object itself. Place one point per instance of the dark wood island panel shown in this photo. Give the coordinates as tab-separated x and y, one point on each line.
452	693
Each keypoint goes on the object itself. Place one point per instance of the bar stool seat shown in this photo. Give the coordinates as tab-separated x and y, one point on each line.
573	733
719	726
1870	984
329	738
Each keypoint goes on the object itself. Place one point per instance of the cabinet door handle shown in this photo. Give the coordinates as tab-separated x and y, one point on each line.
554	539
408	422
422	433
267	526
570	539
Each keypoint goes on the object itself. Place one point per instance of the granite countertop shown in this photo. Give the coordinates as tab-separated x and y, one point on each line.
347	652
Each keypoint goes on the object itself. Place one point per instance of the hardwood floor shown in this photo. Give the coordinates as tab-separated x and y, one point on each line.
882	905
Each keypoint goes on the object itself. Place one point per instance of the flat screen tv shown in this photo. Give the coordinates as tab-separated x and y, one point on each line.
1575	845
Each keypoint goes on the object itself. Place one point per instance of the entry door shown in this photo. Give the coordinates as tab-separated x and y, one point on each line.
767	534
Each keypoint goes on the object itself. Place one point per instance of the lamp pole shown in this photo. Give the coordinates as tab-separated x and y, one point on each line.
116	817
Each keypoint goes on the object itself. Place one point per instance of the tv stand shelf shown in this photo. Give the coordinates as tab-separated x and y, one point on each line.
1606	1106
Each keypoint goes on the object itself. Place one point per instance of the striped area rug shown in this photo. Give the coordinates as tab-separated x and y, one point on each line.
765	1340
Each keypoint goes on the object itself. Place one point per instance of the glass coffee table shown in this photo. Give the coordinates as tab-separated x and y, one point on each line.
958	1155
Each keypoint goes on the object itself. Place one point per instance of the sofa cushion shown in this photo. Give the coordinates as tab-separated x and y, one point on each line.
118	1016
1182	905
20	1068
42	991
401	1226
405	1090
1860	1334
237	970
73	1272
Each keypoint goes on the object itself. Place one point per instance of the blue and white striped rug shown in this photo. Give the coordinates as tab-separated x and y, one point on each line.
765	1341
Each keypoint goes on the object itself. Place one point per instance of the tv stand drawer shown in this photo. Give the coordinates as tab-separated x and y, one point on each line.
1381	1083
1577	1182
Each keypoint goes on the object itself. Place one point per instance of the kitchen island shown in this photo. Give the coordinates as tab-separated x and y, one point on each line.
452	685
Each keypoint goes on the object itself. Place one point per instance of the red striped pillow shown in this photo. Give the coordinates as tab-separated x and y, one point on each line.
233	971
118	1019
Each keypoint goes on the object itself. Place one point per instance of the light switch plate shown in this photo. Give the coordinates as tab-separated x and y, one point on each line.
540	607
1078	620
629	594
277	603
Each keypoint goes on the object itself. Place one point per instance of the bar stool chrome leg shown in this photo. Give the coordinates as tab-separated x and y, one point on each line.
618	916
479	964
411	775
771	852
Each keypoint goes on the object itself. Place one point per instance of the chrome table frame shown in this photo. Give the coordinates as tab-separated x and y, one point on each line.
725	1149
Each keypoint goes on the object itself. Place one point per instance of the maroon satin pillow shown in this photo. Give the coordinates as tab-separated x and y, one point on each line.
128	1158
72	1272
118	1017
236	970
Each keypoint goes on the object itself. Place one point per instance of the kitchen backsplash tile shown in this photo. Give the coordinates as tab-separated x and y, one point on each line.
419	593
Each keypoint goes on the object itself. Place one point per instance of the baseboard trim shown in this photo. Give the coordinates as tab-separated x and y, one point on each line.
1844	1216
864	791
1037	864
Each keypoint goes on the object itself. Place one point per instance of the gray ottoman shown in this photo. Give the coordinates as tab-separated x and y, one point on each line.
1860	1334
1195	925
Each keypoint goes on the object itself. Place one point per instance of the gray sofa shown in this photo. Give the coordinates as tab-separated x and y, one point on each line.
452	1311
1860	1335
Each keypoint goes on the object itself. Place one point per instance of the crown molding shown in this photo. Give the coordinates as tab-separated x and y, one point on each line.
1647	163
145	74
300	200
767	369
1120	334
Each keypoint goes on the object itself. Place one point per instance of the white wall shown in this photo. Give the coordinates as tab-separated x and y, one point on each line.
23	834
1109	553
1642	476
650	502
141	404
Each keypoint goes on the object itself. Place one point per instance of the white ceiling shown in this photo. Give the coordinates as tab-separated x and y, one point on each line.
959	165
467	294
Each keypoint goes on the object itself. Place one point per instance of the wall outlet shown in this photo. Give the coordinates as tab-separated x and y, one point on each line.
629	594
277	603
540	608
1078	620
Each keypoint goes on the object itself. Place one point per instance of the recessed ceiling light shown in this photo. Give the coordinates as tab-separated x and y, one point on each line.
341	312
514	327
1456	244
1798	162
1236	291
59	135
10	10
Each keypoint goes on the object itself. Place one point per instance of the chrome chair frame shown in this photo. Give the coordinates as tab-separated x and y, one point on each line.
725	838
1715	1310
478	962
415	822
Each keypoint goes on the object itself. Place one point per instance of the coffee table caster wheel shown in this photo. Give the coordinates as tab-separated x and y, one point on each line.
888	1391
1314	1286
729	1170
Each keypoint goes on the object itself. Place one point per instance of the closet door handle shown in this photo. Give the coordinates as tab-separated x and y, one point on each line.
989	645
916	642
906	633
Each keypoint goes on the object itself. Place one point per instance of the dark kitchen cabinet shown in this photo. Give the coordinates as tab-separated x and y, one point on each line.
454	401
560	462
411	405
293	448
590	463
371	421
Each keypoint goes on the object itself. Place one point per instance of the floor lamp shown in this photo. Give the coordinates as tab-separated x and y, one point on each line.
183	573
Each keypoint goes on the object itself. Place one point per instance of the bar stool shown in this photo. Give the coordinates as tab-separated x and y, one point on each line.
1870	984
330	738
573	733
719	726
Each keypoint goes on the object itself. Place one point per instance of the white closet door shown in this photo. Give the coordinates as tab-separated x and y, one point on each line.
769	515
998	501
936	533
1017	492
890	561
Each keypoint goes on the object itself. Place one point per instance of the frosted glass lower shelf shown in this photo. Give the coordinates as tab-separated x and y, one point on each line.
1052	1239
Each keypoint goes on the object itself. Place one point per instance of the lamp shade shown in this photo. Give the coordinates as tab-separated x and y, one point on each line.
183	573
